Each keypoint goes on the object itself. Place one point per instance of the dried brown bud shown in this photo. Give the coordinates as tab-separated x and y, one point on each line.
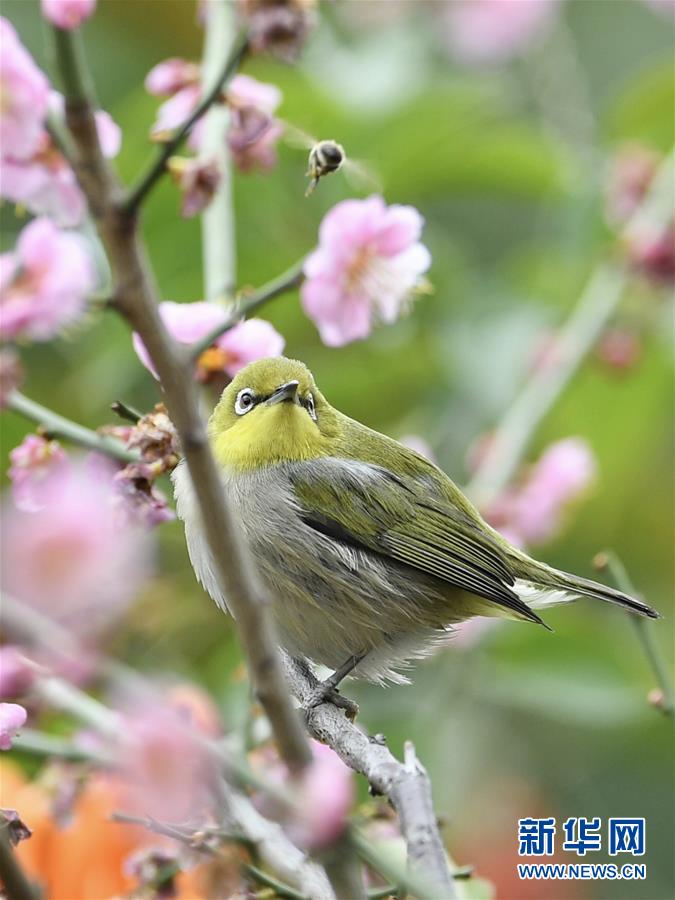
278	27
17	830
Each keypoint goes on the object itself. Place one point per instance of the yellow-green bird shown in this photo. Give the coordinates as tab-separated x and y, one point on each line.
368	551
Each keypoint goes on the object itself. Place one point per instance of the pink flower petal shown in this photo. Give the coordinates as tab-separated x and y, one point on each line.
25	92
67	14
12	718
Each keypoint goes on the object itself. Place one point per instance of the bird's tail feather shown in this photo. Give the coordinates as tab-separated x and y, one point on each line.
543	587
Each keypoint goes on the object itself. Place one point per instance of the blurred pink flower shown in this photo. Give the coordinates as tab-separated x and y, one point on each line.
24	90
253	132
494	31
168	769
174	112
619	349
189	322
142	503
12	718
531	513
198	181
667	7
17	673
45	183
650	249
67	14
33	463
325	796
71	560
630	173
367	265
44	283
170	76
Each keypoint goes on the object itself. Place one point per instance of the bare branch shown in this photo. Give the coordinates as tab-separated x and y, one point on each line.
138	304
405	784
58	426
14	879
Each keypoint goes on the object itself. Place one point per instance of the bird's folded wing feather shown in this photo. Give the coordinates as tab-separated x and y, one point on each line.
404	519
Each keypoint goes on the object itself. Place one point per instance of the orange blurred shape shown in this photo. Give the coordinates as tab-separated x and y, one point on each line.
84	860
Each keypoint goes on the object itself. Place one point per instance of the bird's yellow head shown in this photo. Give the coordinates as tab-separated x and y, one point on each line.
272	412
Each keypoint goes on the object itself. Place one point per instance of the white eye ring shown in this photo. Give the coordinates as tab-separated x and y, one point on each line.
244	402
310	406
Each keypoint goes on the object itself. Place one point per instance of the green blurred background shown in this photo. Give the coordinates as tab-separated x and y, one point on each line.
507	165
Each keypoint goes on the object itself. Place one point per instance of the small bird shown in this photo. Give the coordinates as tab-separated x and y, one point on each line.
368	551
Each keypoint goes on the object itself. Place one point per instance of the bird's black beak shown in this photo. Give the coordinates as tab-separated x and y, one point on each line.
288	391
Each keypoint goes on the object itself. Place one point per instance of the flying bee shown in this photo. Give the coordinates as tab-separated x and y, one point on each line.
326	157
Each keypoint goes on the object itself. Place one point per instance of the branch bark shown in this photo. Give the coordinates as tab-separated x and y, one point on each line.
59	427
118	229
406	784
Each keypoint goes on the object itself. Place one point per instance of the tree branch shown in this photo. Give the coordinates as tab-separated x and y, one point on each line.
146	182
138	303
59	427
248	303
643	629
405	784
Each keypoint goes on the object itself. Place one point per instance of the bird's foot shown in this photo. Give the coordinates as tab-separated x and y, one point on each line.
324	692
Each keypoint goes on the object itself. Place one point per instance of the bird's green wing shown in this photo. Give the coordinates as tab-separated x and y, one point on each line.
405	519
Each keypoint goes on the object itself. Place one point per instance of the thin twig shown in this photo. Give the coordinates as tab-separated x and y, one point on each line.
280	889
138	303
41	744
409	882
248	303
155	170
405	784
643	629
124	411
57	426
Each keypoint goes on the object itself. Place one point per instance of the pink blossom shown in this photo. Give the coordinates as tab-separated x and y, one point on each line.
45	183
630	175
34	462
198	181
367	265
167	767
650	248
67	14
189	322
494	31
253	132
44	283
171	76
17	673
531	512
12	718
619	349
667	7
174	112
325	796
25	91
71	560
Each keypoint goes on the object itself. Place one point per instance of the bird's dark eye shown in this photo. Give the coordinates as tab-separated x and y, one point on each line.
245	402
309	405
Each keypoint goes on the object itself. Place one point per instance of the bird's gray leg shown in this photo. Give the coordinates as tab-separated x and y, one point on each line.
326	691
